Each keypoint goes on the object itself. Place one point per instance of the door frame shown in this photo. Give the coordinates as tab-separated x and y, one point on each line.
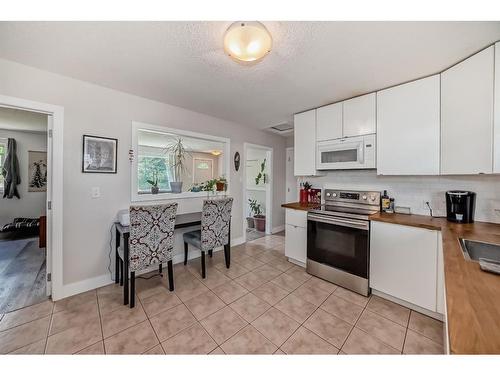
269	186
287	149
54	246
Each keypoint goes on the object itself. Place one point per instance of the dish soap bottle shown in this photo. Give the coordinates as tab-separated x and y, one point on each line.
385	201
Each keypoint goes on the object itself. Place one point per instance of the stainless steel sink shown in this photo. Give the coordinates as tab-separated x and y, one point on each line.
474	250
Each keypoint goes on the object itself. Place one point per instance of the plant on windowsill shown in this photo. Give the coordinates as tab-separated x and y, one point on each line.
221	184
154	183
178	164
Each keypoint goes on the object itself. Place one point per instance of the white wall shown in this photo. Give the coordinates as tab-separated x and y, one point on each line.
414	191
95	110
31	204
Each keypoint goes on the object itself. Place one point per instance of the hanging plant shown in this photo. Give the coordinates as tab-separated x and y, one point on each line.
261	174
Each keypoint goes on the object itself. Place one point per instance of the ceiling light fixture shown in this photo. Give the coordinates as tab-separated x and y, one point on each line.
247	41
216	152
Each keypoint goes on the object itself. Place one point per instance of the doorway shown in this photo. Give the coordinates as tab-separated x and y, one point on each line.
23	217
54	189
292	190
257	191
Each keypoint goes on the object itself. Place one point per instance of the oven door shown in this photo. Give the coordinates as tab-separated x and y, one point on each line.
339	242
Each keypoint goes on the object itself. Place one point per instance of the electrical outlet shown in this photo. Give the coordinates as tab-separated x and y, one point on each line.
96	192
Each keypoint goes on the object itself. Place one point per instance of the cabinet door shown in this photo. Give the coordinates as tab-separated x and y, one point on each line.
329	122
440	292
296	243
360	115
305	143
496	139
403	263
408	128
467	115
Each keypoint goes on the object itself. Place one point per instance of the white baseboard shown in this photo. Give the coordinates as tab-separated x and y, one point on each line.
238	241
100	281
78	287
278	229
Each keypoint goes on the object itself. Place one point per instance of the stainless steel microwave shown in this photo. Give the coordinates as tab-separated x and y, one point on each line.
347	153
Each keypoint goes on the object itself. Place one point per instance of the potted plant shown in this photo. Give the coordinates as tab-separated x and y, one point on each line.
261	174
209	185
196	188
250	221
154	183
178	152
259	219
221	184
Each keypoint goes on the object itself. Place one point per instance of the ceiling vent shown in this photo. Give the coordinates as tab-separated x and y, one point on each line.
283	129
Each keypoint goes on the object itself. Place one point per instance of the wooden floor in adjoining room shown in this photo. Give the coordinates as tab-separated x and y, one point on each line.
22	274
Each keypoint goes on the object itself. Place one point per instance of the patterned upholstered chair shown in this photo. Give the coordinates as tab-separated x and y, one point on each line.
215	231
150	243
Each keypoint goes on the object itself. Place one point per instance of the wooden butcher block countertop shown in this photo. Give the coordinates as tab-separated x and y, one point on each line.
472	296
301	206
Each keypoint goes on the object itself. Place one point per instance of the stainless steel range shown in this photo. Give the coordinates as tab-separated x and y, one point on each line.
338	238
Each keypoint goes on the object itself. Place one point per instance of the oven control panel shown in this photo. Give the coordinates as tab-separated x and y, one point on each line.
359	197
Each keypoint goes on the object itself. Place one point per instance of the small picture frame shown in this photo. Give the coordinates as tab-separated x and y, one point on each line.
99	154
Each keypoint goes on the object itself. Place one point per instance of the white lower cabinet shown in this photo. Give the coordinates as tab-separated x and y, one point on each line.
403	263
296	235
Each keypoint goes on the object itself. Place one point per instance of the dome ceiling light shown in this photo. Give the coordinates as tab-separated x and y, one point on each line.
247	41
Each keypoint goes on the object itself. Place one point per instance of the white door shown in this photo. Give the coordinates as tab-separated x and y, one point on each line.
403	263
467	115
408	128
48	244
291	182
359	115
329	122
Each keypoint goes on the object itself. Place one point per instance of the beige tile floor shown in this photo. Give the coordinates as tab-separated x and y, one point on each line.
262	305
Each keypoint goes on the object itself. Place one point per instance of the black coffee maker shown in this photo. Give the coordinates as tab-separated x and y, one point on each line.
460	206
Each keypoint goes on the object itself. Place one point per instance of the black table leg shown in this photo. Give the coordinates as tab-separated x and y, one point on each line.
121	272
203	272
185	253
210	253
117	257
227	248
125	269
160	268
170	269
132	289
227	255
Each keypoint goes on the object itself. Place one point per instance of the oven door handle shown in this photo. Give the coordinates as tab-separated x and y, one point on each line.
351	223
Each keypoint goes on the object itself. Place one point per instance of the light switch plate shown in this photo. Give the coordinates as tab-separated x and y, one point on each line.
96	192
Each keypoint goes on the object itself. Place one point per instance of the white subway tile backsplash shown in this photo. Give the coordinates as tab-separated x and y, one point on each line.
413	191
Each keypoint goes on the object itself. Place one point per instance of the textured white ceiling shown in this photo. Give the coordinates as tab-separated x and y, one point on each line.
182	63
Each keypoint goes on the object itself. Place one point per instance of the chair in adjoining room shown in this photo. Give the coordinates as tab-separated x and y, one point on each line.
151	242
215	231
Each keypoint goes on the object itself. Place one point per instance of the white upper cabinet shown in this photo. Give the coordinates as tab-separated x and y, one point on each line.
467	115
329	122
408	128
496	141
359	115
305	144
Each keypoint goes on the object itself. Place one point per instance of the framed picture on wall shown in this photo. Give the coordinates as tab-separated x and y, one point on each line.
37	171
99	154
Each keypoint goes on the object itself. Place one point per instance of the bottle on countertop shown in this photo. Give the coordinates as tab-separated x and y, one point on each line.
385	202
391	206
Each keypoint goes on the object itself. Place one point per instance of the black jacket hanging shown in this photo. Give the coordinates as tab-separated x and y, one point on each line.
10	171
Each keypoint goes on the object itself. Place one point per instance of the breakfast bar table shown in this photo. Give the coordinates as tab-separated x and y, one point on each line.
122	234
